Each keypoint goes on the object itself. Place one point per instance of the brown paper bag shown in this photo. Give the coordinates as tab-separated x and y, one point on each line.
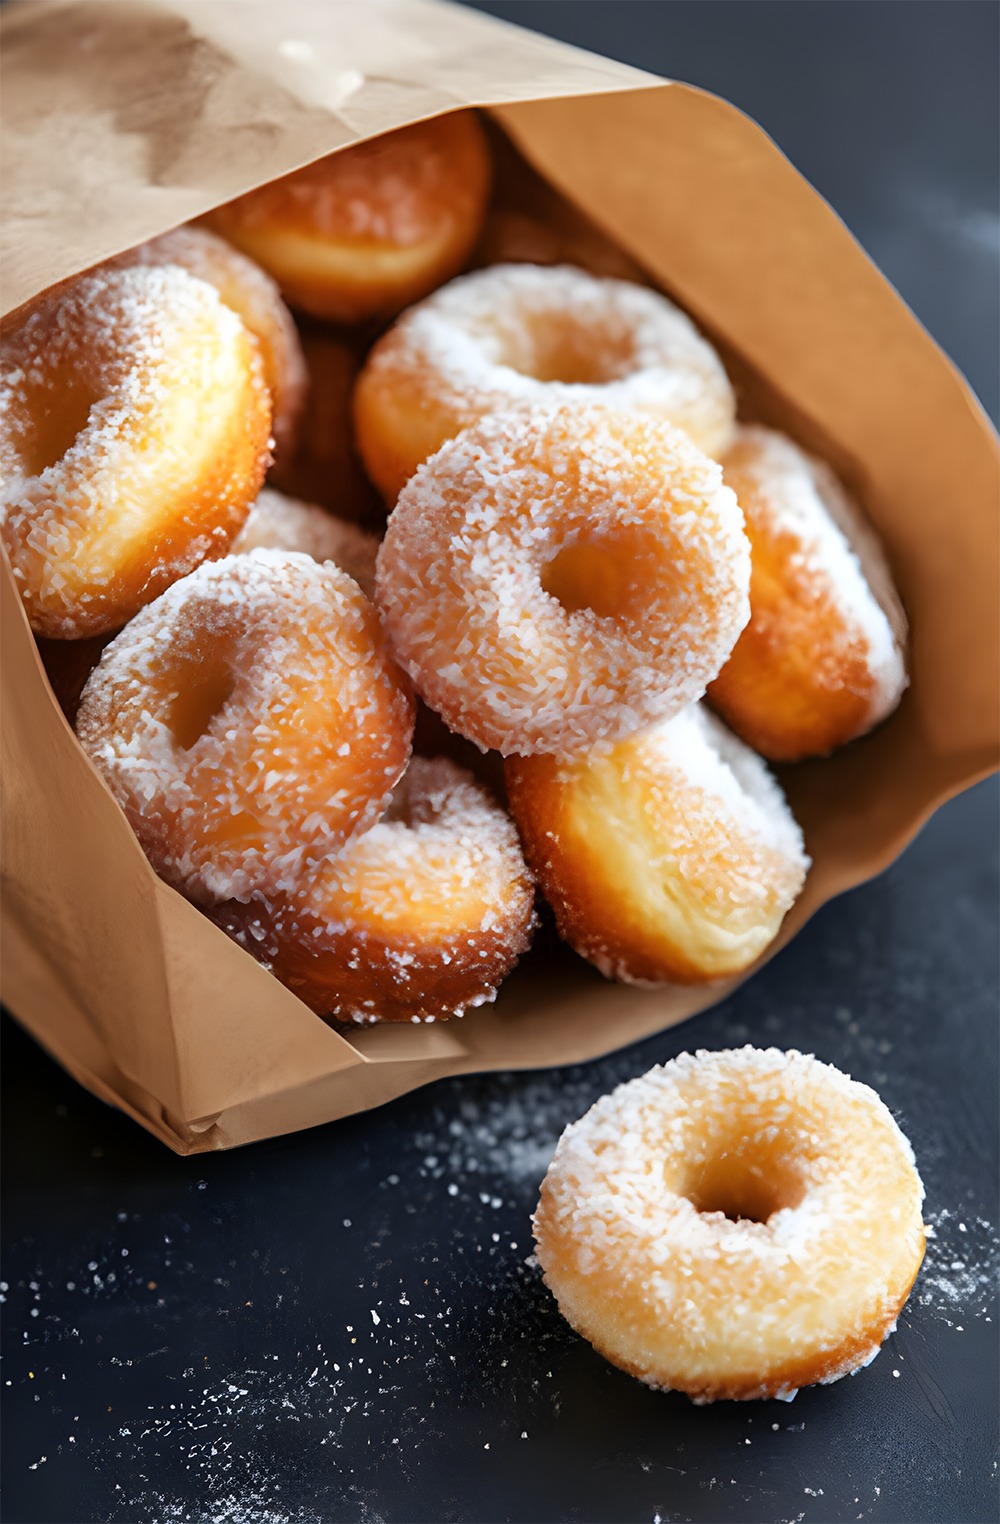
156	112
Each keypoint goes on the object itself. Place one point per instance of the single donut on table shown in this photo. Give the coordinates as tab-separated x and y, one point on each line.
670	858
419	919
134	429
251	293
822	659
554	579
362	232
276	522
733	1225
524	335
249	722
324	466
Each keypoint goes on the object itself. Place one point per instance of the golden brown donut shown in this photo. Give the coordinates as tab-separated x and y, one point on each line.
669	858
733	1225
249	723
276	522
822	659
532	336
134	429
363	232
253	296
417	920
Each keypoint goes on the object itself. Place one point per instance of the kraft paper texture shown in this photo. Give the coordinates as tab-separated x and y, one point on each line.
156	111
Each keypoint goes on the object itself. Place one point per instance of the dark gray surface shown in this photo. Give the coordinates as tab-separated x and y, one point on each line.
195	1339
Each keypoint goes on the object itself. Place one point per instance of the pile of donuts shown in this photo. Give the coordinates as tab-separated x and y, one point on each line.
598	603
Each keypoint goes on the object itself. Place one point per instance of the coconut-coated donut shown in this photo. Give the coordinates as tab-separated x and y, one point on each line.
363	232
134	429
417	920
276	522
822	659
733	1225
249	722
254	297
550	580
670	858
524	335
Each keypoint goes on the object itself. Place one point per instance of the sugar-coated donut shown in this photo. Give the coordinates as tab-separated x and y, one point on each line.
733	1225
671	857
363	232
253	296
822	659
550	580
249	722
525	335
419	919
134	428
324	466
276	522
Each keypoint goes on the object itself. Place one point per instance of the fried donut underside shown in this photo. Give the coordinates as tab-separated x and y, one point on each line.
735	1234
648	852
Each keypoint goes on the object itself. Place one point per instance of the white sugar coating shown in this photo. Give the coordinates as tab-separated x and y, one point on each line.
646	1236
133	432
530	335
248	722
419	918
251	293
727	775
801	496
277	522
481	524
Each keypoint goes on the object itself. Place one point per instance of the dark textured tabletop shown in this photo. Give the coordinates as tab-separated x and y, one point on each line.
343	1325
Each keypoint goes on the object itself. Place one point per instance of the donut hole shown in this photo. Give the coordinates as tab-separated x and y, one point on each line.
557	346
603	574
747	1181
58	421
196	706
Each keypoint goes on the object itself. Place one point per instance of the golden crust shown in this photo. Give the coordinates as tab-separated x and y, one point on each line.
821	660
417	920
365	231
153	456
671	857
733	1225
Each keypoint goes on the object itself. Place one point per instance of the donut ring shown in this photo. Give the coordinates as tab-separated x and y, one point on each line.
254	297
671	857
733	1225
249	723
134	429
821	661
276	522
550	580
523	335
417	920
363	232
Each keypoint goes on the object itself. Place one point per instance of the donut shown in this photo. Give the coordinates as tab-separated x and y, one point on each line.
248	722
254	297
669	858
822	659
361	233
733	1225
276	522
324	466
417	920
134	429
550	580
523	335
